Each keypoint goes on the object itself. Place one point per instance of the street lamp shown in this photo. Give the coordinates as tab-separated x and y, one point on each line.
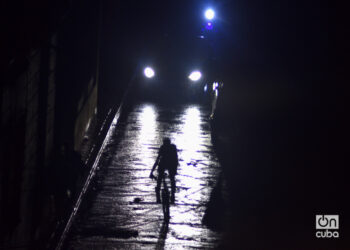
209	14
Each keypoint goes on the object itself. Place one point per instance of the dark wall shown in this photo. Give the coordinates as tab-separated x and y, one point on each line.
281	109
48	97
77	70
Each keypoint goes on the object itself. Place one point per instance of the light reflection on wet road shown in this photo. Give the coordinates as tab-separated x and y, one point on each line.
122	211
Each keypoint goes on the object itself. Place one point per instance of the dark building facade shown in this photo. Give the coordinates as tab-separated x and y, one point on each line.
48	97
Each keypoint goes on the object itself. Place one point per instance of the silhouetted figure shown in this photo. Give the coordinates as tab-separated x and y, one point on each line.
166	160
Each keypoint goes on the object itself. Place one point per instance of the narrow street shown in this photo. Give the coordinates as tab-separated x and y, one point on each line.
120	209
252	93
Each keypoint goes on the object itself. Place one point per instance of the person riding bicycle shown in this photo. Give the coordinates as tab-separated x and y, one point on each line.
167	160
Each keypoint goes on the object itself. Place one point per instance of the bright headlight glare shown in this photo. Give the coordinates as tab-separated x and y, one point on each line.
149	72
195	76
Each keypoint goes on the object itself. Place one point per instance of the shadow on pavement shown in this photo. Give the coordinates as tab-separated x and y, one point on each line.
215	213
163	234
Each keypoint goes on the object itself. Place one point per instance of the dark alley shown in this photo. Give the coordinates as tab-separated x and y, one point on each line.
191	124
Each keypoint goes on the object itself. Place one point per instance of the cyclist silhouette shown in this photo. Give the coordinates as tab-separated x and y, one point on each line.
167	160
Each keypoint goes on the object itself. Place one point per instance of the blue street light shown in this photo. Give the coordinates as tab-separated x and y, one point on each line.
209	14
209	26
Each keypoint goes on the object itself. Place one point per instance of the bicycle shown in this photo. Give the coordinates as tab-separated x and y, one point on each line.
165	197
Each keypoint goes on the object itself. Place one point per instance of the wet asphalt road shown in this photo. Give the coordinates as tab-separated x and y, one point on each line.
120	212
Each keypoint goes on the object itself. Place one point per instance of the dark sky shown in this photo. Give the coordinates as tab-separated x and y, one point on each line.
276	37
263	35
